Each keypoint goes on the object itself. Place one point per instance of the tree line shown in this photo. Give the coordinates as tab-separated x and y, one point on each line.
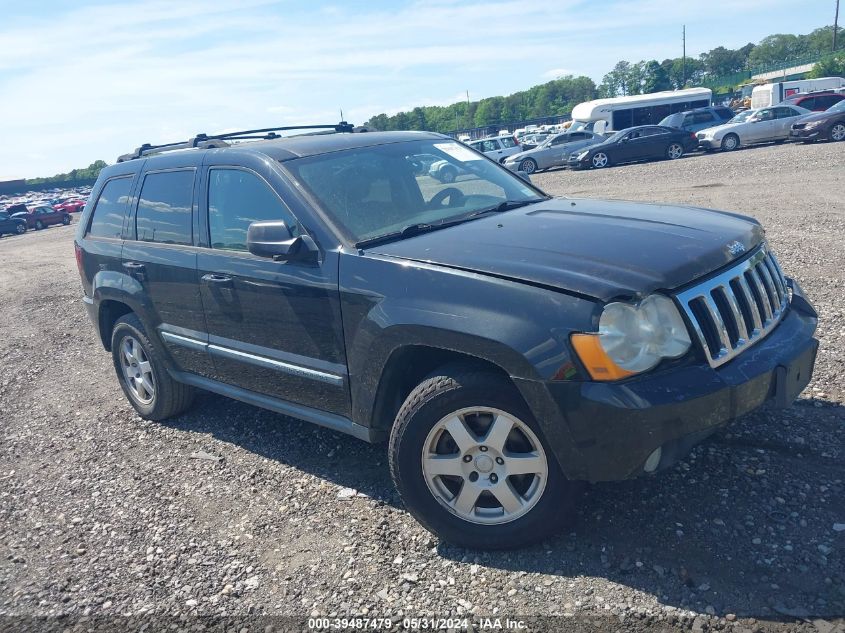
86	173
558	97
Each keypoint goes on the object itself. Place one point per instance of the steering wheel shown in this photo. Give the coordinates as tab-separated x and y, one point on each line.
455	196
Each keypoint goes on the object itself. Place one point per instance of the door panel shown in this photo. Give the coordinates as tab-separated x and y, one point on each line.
274	327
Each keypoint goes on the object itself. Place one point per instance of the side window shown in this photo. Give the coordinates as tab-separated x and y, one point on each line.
704	117
107	218
766	115
689	119
784	113
476	146
164	207
237	198
809	103
507	141
725	113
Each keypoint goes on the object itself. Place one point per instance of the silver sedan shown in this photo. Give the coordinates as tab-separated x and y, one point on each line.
553	152
762	126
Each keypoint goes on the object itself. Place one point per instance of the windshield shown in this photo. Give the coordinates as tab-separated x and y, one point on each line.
377	191
838	107
742	117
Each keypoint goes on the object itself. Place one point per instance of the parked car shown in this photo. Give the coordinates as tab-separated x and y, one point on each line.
829	125
531	141
445	171
763	126
71	206
496	147
644	142
43	216
9	224
814	101
484	328
699	118
553	152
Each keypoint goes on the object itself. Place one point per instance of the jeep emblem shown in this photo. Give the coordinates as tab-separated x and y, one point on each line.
736	248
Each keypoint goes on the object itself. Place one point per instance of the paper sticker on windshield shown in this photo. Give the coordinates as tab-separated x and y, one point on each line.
457	151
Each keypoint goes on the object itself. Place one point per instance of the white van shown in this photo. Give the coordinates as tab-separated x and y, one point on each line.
771	94
617	113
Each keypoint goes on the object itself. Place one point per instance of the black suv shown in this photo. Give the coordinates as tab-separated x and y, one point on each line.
508	344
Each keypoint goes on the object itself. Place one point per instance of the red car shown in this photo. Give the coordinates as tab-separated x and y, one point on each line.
42	216
71	206
815	101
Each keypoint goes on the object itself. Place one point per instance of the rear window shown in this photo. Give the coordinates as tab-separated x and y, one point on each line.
164	207
507	141
107	219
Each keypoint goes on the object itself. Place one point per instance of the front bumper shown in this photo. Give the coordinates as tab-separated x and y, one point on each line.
607	431
709	143
805	134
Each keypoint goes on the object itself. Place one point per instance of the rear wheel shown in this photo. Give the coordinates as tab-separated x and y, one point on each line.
528	165
674	151
20	229
66	220
837	132
600	160
447	175
142	374
471	464
730	142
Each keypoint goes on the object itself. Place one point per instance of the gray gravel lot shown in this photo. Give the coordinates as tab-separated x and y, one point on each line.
230	509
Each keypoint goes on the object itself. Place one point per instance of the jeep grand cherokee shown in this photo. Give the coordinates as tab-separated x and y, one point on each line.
506	343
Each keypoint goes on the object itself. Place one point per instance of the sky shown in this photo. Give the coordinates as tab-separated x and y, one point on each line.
83	80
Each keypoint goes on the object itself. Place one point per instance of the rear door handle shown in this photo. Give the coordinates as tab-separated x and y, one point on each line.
136	270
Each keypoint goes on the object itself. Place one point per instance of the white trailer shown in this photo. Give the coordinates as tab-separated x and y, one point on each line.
773	93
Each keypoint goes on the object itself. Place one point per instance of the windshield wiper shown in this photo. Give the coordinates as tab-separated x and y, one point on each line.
507	205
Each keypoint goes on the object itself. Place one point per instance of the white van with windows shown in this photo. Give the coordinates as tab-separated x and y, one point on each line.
771	94
618	113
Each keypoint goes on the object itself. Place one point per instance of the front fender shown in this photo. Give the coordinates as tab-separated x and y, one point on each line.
390	303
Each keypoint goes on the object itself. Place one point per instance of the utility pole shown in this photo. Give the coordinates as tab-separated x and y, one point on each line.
684	57
835	25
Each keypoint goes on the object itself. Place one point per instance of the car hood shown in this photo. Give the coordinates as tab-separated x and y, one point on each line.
724	127
817	116
597	248
529	152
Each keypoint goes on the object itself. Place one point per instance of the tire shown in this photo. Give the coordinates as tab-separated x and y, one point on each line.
39	225
65	220
165	397
539	504
730	143
447	175
674	151
528	165
600	160
837	132
20	229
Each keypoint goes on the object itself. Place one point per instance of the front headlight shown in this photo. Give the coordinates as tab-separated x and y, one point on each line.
582	155
812	124
633	338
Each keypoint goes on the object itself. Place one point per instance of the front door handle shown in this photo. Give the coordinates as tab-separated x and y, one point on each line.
217	280
136	270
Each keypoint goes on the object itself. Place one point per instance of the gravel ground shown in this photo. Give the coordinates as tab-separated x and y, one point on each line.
232	510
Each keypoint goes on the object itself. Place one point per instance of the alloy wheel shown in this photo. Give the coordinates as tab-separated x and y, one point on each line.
837	132
20	229
528	166
137	370
600	160
484	465
675	151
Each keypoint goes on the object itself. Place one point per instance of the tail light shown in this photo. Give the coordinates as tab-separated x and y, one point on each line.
78	252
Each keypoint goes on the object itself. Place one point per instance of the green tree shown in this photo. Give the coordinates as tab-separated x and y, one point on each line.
655	77
778	48
829	67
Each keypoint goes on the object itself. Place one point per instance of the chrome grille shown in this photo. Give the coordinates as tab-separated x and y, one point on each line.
737	308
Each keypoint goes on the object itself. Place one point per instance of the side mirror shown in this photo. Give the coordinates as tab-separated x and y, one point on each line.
524	175
273	239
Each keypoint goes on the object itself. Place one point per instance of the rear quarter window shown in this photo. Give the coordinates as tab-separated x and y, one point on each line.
107	218
164	207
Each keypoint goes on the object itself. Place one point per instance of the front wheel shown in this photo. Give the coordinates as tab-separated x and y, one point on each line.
471	464
20	229
142	374
39	225
600	160
674	151
447	176
529	166
837	132
66	220
730	142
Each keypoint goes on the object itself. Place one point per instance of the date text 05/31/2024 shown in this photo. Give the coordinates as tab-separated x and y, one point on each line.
415	624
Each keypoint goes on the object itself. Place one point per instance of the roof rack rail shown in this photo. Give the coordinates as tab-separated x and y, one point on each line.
210	141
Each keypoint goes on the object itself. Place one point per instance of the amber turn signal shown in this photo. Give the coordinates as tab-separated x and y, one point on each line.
595	359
